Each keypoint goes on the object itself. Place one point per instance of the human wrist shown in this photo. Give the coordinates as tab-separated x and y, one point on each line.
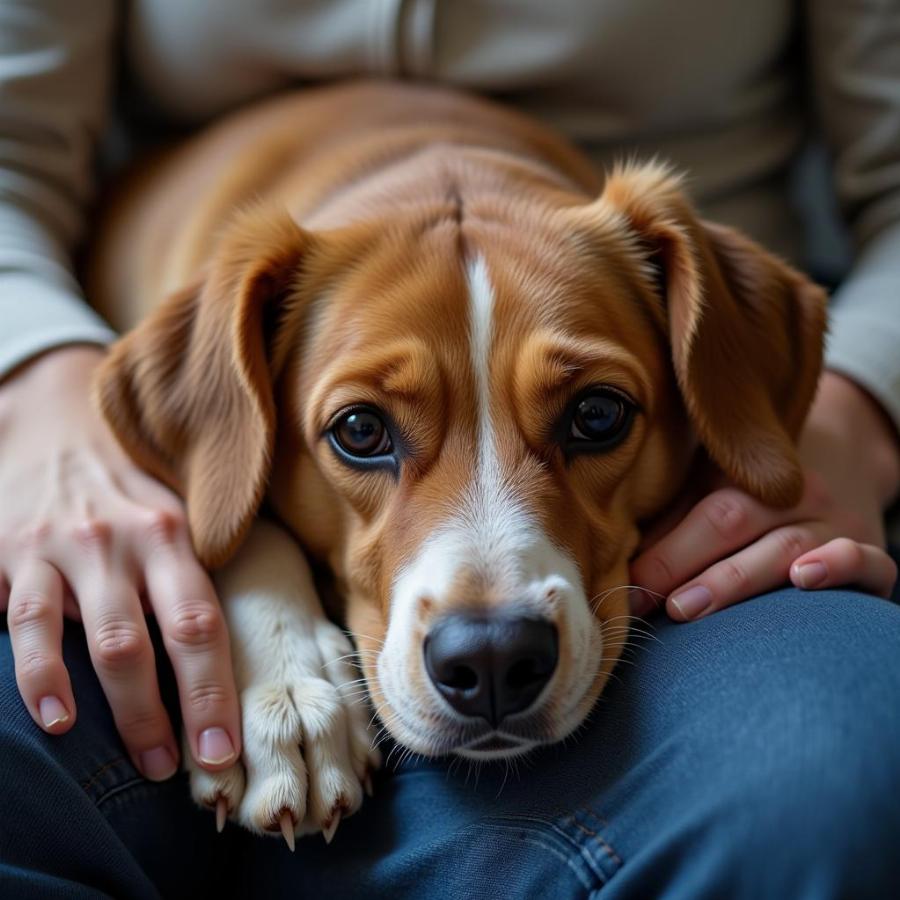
61	367
853	419
54	386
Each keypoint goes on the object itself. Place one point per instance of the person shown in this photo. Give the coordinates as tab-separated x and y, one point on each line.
752	752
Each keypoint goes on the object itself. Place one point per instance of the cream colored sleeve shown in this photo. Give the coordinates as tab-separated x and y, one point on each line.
855	56
55	61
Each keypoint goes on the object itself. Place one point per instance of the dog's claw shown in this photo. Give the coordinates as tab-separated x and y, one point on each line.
221	813
329	830
287	829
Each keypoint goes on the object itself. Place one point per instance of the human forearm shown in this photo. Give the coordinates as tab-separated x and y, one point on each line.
54	66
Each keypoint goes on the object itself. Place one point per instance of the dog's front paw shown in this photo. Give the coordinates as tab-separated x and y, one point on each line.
307	748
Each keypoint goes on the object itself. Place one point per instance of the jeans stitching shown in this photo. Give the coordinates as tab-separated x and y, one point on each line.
609	850
533	838
94	781
603	824
558	827
112	792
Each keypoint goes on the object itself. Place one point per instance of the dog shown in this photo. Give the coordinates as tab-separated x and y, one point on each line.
456	368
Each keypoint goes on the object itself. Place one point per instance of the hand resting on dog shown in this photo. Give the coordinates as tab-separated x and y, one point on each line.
730	547
85	533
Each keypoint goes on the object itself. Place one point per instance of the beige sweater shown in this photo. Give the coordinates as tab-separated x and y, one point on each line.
720	87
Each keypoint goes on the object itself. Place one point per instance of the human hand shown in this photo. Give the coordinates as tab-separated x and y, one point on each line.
86	534
729	546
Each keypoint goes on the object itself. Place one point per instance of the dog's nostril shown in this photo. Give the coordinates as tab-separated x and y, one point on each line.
491	667
462	678
525	673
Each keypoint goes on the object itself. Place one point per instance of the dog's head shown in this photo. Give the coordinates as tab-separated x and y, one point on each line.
467	413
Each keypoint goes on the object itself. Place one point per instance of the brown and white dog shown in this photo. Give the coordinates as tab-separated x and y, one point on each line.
460	370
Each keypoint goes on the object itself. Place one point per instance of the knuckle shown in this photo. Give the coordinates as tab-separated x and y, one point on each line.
138	724
93	535
792	542
196	624
851	551
727	515
164	526
656	570
204	696
35	537
34	663
734	576
30	608
119	645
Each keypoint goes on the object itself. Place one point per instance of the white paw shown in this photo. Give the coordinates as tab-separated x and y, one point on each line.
307	748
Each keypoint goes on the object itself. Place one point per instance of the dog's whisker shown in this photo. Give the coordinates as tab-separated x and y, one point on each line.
596	601
356	699
362	689
628	627
636	632
354	683
356	696
368	637
625	616
619	631
357	654
633	629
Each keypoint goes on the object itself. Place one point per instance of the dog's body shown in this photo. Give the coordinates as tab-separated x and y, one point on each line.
402	317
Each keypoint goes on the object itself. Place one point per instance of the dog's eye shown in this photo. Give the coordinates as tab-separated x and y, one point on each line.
600	419
361	433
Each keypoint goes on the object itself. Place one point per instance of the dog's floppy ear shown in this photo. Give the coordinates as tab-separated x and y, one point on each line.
746	331
189	392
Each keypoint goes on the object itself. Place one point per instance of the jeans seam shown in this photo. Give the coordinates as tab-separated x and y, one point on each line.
100	793
86	785
559	828
606	847
112	792
533	837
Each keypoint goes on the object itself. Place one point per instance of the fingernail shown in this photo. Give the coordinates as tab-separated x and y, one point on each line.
52	711
157	764
693	601
810	575
215	747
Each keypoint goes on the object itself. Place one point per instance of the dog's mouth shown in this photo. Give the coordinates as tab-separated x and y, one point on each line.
495	745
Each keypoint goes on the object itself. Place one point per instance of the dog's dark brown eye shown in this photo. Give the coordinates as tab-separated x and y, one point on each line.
362	433
600	419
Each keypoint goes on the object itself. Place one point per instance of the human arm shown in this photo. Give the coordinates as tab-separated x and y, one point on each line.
73	505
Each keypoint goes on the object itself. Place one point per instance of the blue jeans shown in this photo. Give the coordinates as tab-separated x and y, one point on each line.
755	754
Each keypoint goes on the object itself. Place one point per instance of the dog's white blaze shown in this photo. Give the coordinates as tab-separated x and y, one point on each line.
491	513
481	299
491	532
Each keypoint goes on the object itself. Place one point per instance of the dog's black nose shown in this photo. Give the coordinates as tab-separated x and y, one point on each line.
491	667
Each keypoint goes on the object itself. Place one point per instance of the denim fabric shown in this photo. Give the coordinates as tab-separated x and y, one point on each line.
755	754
